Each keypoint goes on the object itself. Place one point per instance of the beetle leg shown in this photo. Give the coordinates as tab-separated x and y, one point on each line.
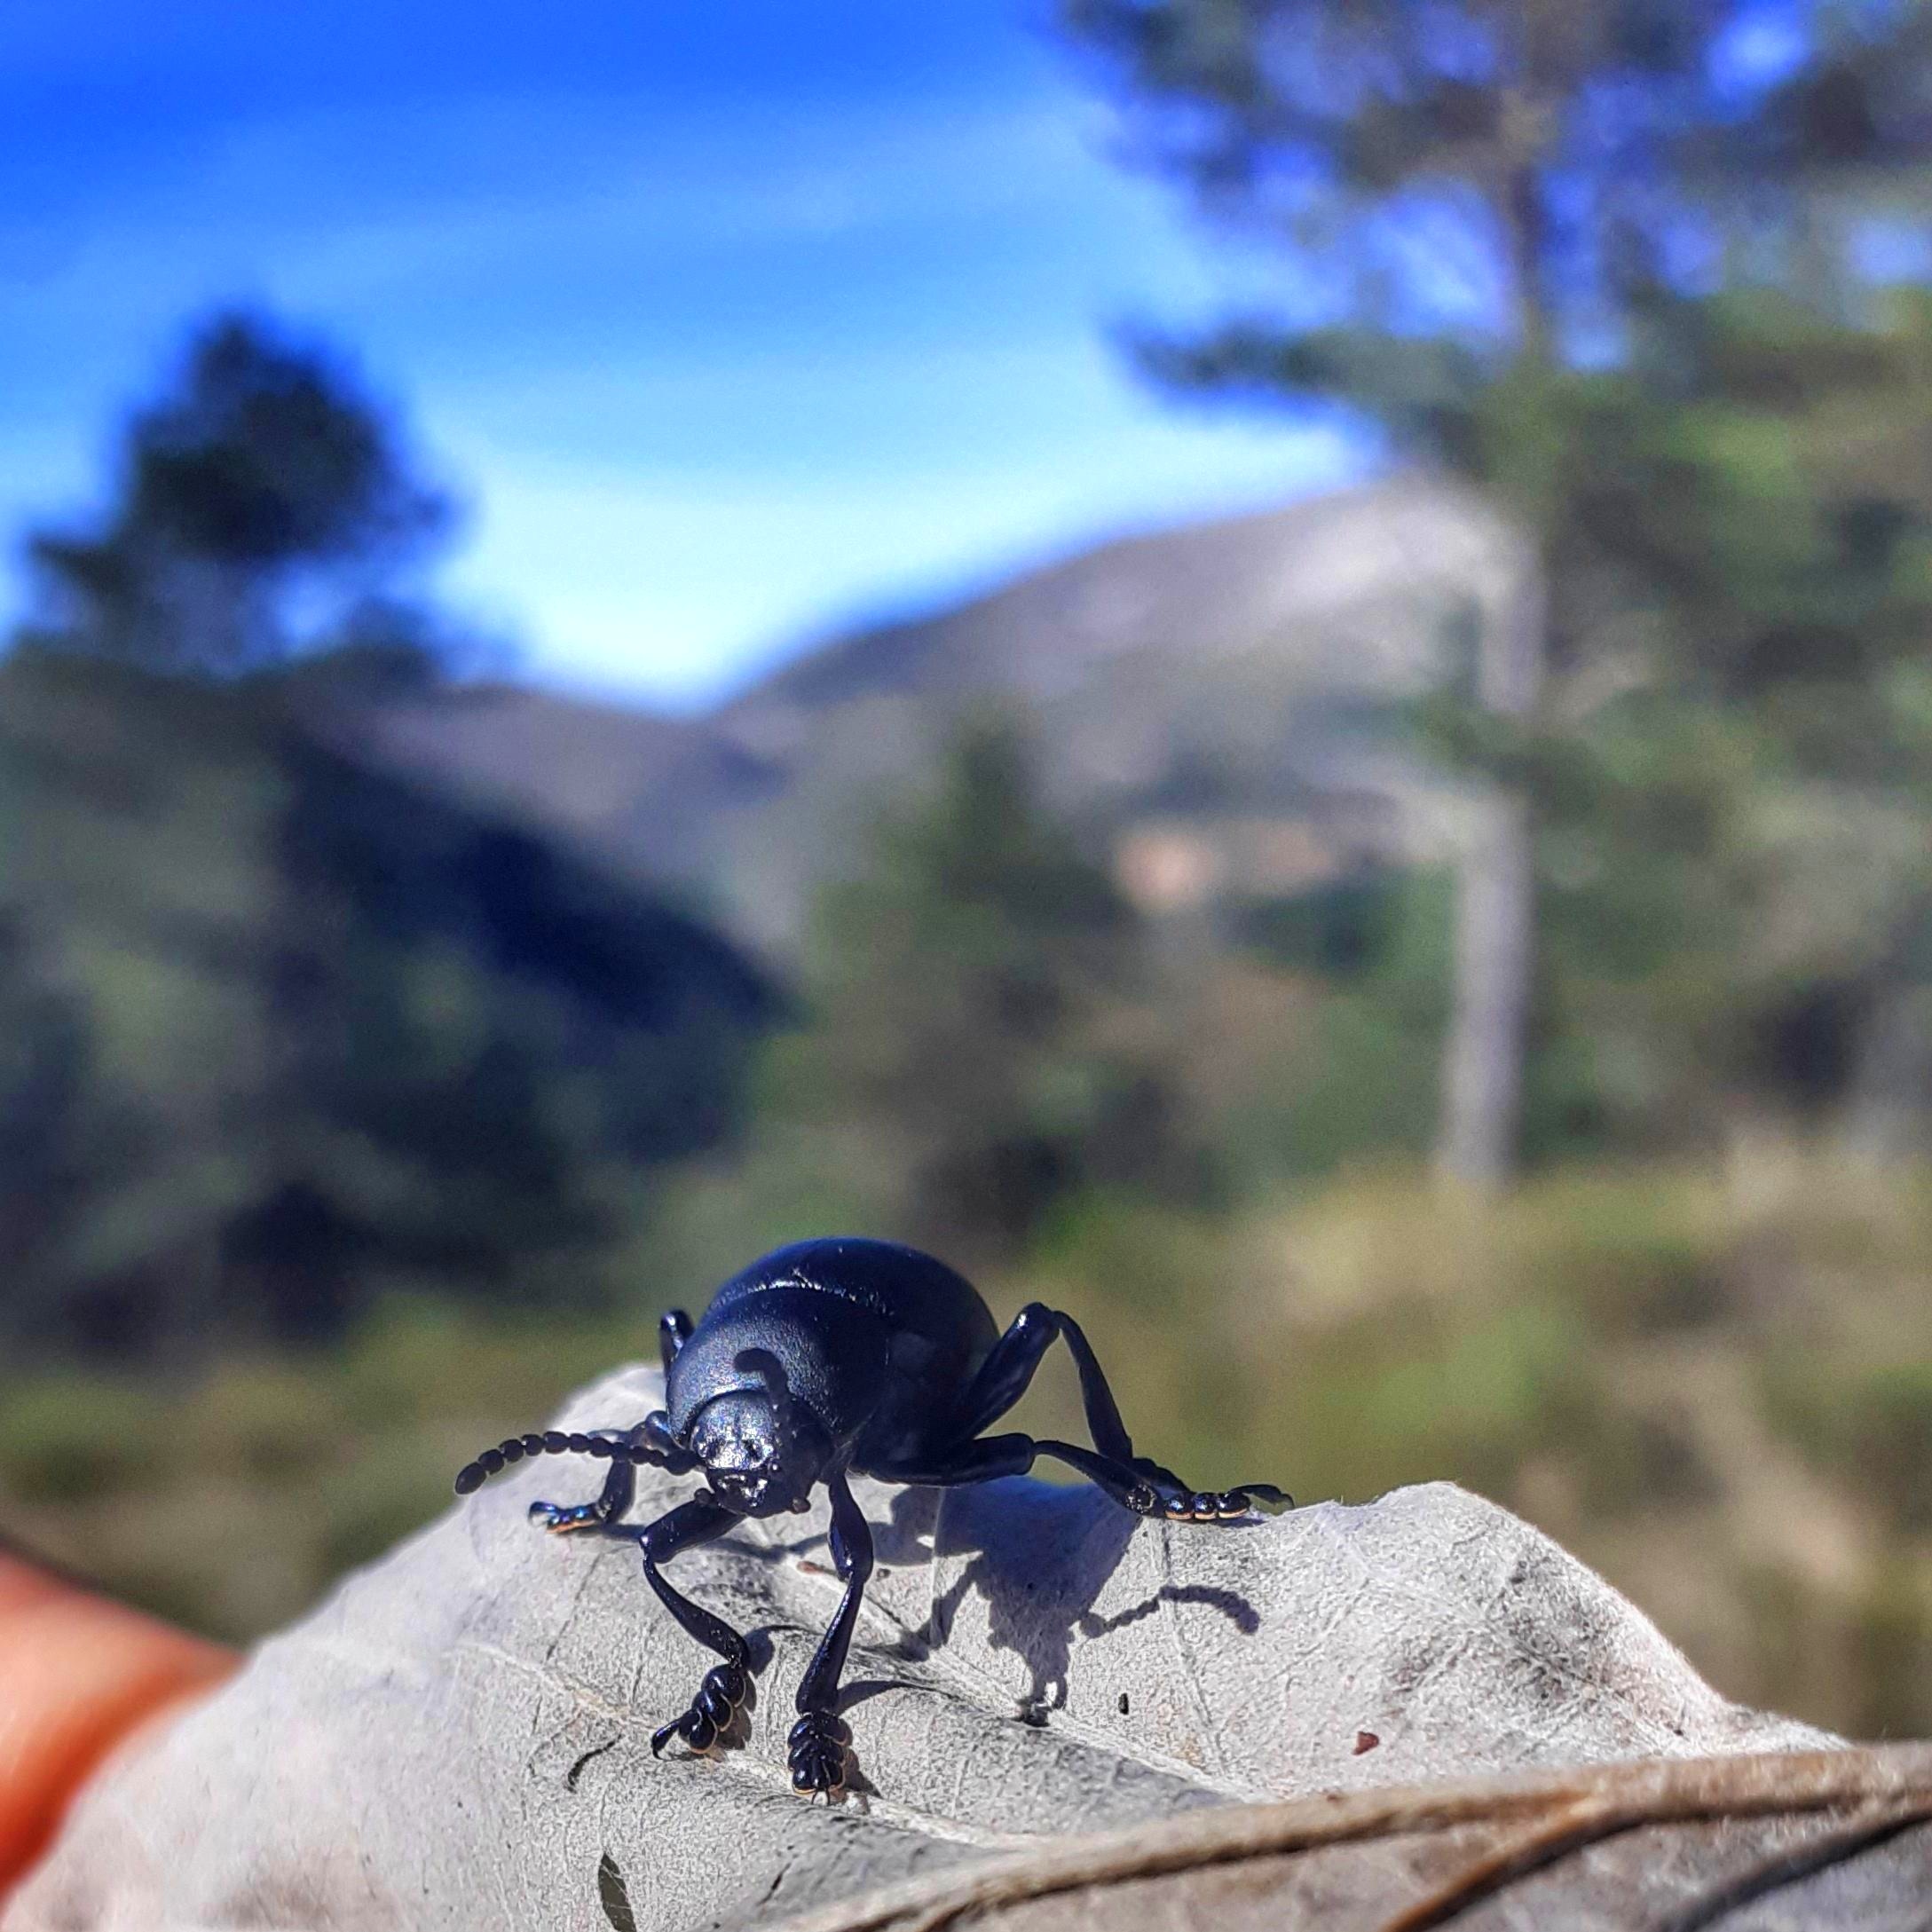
1129	1484
1145	1487
1149	1490
724	1685
1008	1371
992	1456
674	1330
619	1488
816	1747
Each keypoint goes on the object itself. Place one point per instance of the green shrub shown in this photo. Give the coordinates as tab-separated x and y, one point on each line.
64	1438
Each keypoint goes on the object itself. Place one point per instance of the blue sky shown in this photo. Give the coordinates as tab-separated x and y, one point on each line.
727	320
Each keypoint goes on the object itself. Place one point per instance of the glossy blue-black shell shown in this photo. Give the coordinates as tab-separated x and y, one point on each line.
878	1342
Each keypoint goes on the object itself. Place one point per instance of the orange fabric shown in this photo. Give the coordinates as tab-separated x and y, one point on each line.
77	1674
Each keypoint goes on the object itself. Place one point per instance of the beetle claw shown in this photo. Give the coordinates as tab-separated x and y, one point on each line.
719	1696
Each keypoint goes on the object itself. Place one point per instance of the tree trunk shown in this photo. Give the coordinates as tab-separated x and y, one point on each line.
1495	915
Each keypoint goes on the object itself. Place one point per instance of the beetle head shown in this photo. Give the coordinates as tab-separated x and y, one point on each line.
760	1456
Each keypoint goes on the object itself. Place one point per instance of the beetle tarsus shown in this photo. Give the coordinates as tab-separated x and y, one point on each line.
815	1753
720	1698
564	1519
1236	1505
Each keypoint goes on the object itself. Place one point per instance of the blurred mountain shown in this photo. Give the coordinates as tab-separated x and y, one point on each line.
275	1027
1215	699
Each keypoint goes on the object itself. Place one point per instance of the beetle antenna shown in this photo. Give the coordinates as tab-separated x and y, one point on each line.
550	1442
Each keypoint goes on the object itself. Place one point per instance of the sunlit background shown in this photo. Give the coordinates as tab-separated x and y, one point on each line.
1263	667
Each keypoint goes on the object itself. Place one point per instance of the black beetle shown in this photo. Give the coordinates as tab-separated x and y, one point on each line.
824	1358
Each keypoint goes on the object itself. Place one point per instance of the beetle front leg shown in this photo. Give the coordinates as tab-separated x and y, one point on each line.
725	1684
816	1749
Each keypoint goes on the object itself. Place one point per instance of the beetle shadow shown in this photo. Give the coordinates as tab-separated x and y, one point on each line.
1039	1556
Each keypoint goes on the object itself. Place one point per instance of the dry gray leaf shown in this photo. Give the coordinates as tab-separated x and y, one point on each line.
459	1736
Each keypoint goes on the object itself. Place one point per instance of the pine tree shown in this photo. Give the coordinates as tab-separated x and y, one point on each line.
1545	245
971	1056
261	503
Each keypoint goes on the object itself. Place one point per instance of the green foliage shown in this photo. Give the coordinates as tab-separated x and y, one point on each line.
1360	1082
1346	931
1738	535
276	1028
1612	268
230	1496
975	1053
1479	208
1733	804
1868	1425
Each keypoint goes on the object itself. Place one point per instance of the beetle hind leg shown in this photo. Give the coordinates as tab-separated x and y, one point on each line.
1135	1482
1141	1485
1165	1497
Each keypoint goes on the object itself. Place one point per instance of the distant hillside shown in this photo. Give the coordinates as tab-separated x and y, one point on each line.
274	1026
1212	695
